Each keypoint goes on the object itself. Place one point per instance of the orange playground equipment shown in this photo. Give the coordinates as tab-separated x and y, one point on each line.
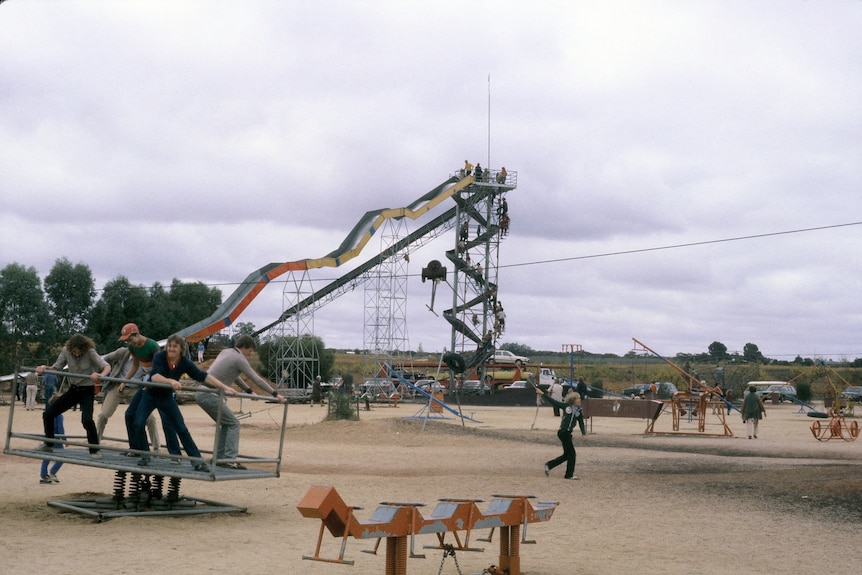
399	523
696	404
837	428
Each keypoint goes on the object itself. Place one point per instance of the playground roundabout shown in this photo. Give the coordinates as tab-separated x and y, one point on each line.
658	503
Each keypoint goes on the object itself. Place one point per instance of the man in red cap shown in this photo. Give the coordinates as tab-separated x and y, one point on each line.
142	350
120	361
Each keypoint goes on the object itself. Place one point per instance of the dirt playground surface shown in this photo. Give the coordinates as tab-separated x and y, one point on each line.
782	503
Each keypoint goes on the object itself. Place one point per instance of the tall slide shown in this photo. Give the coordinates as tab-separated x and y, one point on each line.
352	245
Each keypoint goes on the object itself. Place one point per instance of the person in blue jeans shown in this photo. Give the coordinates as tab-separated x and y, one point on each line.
46	476
168	367
50	476
142	350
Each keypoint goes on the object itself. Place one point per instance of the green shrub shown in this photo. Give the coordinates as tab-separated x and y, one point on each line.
342	406
803	391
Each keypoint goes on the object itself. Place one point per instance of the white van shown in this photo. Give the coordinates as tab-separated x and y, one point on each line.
760	387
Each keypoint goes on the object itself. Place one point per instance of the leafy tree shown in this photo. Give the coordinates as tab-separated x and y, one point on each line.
22	303
519	349
157	311
193	301
163	315
121	303
70	291
307	346
751	353
717	351
243	328
23	311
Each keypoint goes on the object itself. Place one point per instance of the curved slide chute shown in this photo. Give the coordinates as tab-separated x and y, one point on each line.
351	247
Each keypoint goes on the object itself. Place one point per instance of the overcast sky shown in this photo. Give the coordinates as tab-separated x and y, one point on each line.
202	140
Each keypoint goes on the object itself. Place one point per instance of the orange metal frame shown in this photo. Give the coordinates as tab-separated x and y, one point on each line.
837	428
396	522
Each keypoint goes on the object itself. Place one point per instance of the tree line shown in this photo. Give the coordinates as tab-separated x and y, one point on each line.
715	353
37	316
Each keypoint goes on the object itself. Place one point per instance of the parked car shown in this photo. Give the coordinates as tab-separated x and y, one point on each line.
377	386
785	391
506	356
760	387
517	385
665	390
474	387
428	385
854	393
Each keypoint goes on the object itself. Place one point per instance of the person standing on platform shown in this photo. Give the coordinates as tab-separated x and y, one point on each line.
168	367
227	367
80	357
468	168
143	349
120	361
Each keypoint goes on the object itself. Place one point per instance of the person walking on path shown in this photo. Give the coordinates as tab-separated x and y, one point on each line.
227	367
32	381
80	357
572	415
316	396
752	410
555	391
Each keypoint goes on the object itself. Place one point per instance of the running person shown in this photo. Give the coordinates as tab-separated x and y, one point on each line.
572	415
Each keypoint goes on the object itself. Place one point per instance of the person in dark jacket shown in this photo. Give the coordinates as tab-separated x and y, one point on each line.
168	367
572	415
752	411
582	388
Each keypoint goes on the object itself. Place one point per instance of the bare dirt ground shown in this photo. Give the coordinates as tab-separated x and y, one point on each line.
783	503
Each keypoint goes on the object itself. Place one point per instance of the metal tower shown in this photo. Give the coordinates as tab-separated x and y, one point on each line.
385	325
295	358
477	315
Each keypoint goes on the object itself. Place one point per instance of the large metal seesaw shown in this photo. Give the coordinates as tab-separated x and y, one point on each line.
396	522
142	491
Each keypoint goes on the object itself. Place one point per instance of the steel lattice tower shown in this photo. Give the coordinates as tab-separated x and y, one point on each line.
385	318
295	358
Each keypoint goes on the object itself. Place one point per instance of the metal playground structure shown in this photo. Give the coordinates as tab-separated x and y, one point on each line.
698	404
481	219
400	522
138	490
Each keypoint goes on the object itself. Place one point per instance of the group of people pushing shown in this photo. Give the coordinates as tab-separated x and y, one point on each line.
144	361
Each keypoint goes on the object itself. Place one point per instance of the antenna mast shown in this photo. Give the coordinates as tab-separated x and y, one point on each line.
488	165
